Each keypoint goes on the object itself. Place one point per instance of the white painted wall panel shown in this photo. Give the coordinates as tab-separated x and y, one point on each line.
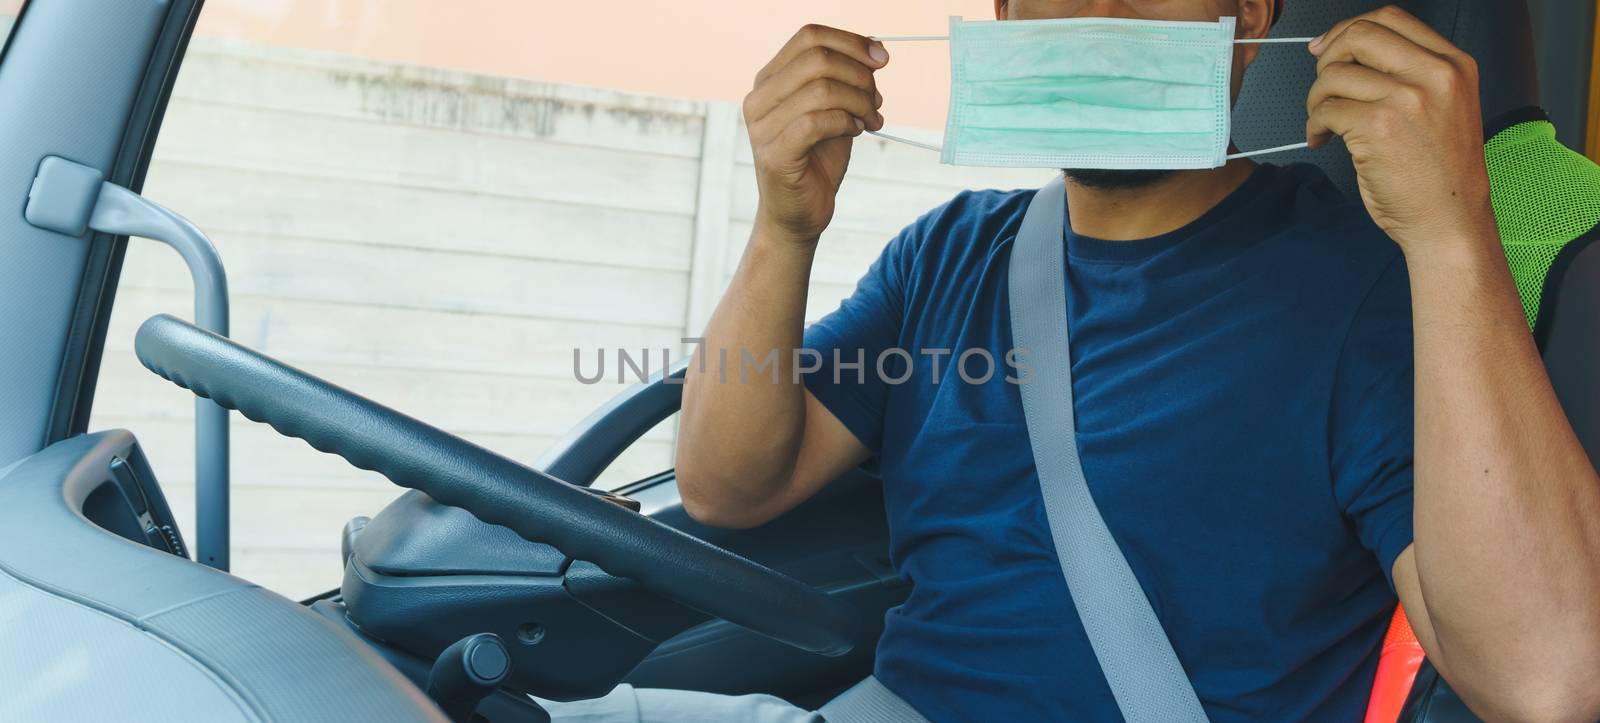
366	335
355	273
289	203
396	94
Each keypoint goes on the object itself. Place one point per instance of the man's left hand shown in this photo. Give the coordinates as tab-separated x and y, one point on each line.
1405	100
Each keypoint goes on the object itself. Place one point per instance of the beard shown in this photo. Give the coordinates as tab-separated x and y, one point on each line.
1110	180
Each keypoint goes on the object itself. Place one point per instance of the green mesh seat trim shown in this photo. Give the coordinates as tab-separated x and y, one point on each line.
1545	195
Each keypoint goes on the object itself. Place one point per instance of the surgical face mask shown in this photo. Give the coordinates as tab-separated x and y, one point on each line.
1090	93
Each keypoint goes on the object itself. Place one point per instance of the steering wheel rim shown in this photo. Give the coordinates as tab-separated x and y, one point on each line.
495	489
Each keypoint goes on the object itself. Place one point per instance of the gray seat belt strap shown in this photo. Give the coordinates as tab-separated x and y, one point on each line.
1133	650
870	702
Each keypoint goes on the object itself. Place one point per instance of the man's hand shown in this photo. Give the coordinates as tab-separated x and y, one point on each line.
806	107
1405	100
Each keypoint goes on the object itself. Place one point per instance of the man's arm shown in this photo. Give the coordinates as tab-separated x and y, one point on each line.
1502	582
752	446
751	449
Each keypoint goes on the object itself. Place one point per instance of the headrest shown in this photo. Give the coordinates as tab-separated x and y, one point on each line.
1545	197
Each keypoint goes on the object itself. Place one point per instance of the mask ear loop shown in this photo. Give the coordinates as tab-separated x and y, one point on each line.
908	39
1265	151
1279	149
920	38
940	149
907	141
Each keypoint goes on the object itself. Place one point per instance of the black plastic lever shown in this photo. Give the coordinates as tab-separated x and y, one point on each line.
467	672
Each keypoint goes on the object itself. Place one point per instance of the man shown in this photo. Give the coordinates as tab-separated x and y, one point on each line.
1292	409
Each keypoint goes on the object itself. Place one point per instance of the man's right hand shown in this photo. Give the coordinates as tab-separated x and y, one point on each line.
807	105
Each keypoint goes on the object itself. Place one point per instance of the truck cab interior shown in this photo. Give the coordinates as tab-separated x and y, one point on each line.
492	579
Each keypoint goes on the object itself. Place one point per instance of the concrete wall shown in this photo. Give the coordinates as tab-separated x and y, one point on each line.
707	49
440	242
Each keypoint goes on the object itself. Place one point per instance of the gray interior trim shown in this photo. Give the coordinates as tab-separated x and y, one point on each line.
86	339
42	664
70	198
237	631
77	104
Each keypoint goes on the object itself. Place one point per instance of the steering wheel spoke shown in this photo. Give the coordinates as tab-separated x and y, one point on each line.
583	523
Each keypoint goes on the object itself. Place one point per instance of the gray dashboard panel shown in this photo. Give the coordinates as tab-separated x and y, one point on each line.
49	661
167	630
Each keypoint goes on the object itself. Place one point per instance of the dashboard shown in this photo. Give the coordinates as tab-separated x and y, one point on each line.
104	618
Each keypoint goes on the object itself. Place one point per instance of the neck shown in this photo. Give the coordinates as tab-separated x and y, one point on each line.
1128	214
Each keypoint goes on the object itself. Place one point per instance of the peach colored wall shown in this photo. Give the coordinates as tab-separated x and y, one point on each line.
699	49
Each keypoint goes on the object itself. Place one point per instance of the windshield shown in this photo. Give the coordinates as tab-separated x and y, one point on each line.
465	210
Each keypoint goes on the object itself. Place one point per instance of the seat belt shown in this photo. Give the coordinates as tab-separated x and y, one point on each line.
869	702
1134	652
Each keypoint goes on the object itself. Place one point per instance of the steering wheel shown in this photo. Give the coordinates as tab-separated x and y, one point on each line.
497	490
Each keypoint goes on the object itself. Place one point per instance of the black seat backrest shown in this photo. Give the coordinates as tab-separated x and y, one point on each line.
1547	198
1572	339
1272	105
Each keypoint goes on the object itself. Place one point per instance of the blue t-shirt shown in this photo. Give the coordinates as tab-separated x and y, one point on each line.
1244	410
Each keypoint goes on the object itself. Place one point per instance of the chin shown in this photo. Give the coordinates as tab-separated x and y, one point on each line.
1114	180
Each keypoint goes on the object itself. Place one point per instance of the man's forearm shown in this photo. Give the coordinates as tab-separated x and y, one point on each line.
740	432
1507	521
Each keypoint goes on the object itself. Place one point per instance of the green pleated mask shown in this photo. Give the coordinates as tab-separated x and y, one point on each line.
1091	93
